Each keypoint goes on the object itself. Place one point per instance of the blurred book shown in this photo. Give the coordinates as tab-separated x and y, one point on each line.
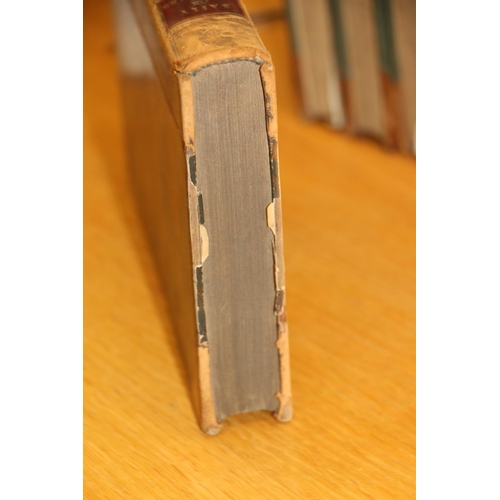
356	64
318	65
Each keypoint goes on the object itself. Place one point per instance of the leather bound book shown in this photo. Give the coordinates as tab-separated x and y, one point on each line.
201	123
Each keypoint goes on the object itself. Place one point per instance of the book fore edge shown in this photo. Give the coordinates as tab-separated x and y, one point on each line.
186	68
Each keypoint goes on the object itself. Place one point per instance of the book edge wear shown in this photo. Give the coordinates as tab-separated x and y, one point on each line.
183	37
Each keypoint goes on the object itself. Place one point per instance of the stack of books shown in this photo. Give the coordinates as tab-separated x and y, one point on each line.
356	65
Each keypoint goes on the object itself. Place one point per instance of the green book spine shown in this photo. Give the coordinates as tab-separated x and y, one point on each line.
386	39
342	60
338	33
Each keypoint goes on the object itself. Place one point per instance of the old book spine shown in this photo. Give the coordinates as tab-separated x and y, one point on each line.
190	35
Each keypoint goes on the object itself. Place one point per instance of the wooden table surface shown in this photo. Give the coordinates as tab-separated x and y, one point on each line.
349	226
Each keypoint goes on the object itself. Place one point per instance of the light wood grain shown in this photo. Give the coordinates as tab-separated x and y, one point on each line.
349	221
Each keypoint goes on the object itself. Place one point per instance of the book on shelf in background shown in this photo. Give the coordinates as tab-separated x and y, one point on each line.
356	65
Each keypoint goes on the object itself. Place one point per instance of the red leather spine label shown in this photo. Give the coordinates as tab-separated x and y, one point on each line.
175	11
